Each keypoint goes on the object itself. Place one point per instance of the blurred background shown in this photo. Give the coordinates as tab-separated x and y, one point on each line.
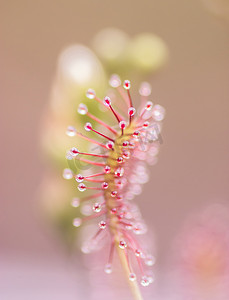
187	201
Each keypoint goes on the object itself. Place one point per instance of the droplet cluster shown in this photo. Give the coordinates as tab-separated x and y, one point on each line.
130	139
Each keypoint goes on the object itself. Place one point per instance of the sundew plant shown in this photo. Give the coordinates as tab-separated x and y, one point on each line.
121	143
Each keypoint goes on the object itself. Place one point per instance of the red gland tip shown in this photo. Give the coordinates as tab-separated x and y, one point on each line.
110	145
104	185
74	151
107	101
126	84
107	169
122	124
131	111
88	126
79	178
149	105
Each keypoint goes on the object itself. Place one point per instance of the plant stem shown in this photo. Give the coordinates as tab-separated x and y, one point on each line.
133	284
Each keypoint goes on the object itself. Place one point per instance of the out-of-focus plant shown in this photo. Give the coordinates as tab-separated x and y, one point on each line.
138	57
78	68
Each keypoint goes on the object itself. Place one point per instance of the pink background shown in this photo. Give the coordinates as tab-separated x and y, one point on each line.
193	163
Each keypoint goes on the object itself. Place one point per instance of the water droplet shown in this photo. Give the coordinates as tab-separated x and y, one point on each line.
107	101
114	210
131	111
149	105
140	228
126	154
120	160
108	269
104	185
138	252
122	244
125	143
146	124
82	109
88	126
67	173
97	207
81	187
77	222
75	202
114	193
110	145
145	281
126	84
115	81
102	224
107	169
149	260
71	131
119	172
69	155
122	124
74	152
90	94
79	178
145	89
150	279
158	112
132	277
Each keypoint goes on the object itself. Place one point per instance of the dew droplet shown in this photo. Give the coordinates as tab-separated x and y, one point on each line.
126	84
107	101
75	202
120	160
145	89
79	178
107	169
122	244
102	224
110	145
71	131
74	152
145	281
104	185
67	173
125	143
82	109
69	155
114	210
114	193
149	260
115	81
122	124
97	207
131	111
108	269
126	154
132	277
119	172
88	126
138	252
150	279
77	222
90	94
158	112
81	187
